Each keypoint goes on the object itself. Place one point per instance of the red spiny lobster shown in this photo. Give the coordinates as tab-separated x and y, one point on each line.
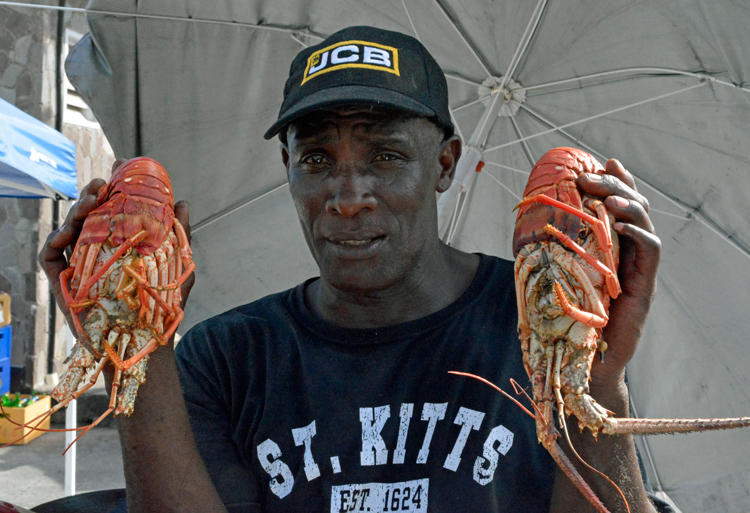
124	281
566	273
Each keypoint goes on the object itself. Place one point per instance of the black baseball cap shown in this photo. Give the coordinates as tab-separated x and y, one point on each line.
365	65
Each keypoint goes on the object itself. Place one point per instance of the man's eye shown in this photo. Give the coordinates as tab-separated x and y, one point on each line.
315	160
386	157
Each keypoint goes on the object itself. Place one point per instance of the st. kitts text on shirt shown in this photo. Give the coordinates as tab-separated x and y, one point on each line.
375	451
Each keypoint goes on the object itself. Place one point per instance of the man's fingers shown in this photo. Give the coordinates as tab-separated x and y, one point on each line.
117	163
616	181
629	211
182	213
639	261
615	168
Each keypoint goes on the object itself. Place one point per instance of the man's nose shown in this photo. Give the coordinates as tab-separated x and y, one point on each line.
351	195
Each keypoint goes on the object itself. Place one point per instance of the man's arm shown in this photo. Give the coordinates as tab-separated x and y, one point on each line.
615	456
163	470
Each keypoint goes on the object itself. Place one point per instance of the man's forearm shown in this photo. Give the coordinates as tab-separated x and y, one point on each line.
614	456
163	469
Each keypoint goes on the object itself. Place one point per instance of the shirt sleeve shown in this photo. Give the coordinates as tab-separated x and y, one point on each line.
199	366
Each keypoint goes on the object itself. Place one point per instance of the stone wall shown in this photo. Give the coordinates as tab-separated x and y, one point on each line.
28	80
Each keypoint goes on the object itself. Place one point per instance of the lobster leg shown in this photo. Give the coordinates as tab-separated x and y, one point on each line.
88	266
71	397
185	252
613	286
522	268
567	262
121	250
124	339
164	266
172	264
79	256
146	287
600	227
601	212
587	318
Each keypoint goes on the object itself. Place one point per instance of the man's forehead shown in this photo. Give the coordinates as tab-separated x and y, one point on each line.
368	118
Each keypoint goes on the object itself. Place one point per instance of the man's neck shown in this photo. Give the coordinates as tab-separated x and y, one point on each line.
432	286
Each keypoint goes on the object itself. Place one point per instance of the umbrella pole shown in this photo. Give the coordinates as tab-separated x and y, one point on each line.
70	423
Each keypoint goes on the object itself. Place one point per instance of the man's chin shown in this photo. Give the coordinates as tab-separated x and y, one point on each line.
351	280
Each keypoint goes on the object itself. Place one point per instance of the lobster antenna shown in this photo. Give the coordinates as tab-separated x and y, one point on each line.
506	394
564	426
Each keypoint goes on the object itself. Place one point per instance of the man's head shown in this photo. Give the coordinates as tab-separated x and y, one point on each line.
365	155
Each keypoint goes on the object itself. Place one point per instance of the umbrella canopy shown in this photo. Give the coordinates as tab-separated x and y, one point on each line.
658	85
36	161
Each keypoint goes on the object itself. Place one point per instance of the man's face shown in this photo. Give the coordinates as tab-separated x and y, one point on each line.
364	186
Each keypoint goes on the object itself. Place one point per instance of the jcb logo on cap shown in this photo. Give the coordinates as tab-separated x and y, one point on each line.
352	54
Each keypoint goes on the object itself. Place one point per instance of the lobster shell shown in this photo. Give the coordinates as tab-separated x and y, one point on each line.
138	197
554	175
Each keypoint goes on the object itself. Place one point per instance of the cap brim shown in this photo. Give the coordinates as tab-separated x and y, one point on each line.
345	96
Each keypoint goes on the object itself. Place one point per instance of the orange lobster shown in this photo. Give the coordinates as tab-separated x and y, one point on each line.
567	256
124	282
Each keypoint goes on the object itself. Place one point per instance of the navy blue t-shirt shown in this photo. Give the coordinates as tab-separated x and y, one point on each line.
292	413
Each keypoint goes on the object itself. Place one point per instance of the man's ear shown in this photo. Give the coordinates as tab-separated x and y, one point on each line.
451	152
285	157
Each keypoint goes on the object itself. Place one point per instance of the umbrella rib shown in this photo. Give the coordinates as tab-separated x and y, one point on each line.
230	210
416	34
503	185
596	116
276	28
461	79
452	221
455	124
460	212
501	166
526	148
563	132
635	72
293	35
697	213
469	104
523	44
466	41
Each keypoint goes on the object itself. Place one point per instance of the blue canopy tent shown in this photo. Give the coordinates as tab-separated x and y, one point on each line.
36	161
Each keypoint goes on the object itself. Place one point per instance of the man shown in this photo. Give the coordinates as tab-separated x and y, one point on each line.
334	395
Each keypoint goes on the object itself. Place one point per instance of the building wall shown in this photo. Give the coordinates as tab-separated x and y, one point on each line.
28	62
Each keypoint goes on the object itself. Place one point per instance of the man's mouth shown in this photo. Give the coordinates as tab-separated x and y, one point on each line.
350	246
358	242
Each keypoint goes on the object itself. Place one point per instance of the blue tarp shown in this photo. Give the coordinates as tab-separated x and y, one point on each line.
36	161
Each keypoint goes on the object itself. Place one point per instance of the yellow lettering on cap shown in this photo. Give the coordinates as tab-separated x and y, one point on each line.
352	54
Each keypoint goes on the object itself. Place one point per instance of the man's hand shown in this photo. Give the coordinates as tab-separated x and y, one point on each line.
58	248
640	251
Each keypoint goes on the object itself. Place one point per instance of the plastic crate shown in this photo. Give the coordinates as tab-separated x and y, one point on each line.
4	376
6	336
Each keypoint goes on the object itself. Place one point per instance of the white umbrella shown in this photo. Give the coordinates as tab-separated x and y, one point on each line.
658	85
